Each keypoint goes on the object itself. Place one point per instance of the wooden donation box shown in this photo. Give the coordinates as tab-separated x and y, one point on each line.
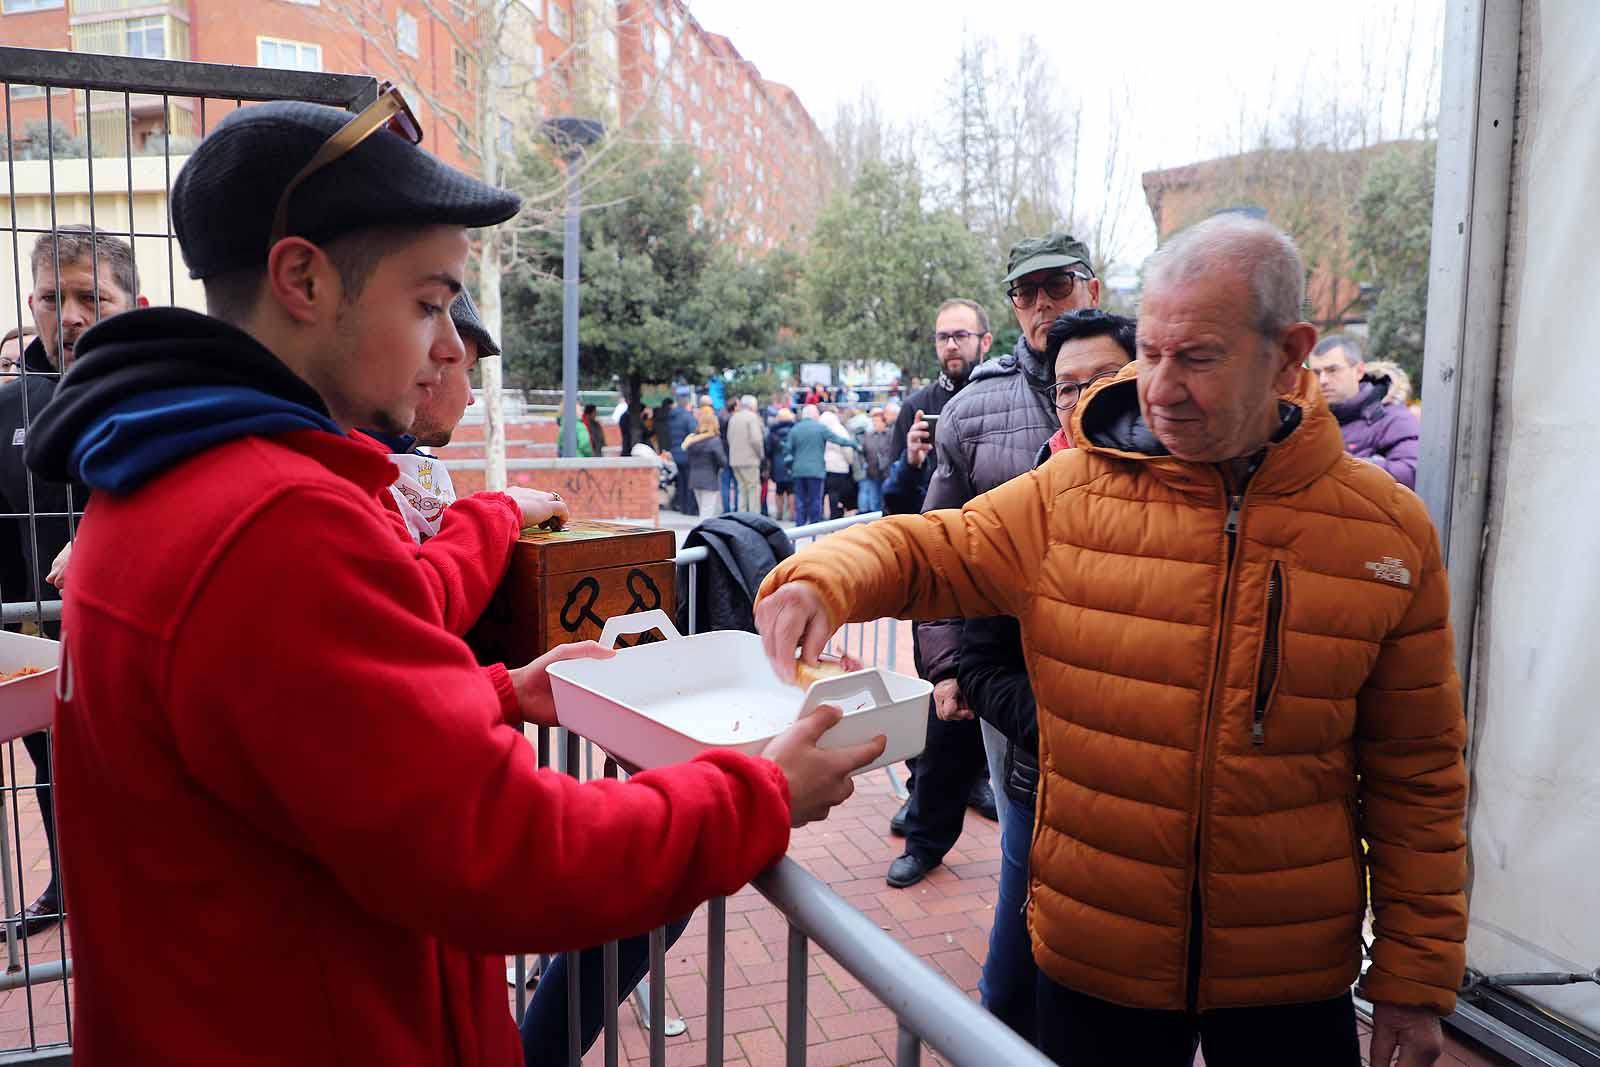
562	586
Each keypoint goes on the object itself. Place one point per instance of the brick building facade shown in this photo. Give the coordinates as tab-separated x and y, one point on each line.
645	66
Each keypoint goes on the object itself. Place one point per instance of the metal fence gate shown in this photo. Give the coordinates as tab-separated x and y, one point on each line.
90	143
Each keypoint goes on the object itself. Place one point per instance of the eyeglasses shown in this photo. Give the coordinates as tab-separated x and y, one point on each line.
1065	394
960	337
388	112
1057	287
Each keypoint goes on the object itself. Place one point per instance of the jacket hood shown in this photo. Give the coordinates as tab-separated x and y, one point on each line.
1109	421
1022	358
152	387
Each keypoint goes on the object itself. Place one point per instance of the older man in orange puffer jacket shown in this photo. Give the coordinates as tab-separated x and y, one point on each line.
1239	640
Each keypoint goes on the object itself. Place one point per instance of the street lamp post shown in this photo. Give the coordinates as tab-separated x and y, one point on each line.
571	136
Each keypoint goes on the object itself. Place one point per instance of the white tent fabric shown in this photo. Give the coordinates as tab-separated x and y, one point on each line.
1535	822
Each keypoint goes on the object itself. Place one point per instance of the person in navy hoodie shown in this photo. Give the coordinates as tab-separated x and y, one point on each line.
237	589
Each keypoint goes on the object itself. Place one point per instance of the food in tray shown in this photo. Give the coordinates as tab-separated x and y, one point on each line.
21	672
807	673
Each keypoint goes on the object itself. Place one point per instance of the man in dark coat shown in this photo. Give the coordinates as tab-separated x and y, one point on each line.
79	278
1369	402
950	772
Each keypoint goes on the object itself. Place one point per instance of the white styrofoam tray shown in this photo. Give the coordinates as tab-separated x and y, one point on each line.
662	703
27	703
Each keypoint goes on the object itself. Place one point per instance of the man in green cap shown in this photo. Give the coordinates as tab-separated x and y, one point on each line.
991	432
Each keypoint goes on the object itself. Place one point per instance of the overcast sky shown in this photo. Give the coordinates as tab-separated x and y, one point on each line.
1193	69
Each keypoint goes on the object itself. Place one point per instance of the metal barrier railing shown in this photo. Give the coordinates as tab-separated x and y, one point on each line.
929	1008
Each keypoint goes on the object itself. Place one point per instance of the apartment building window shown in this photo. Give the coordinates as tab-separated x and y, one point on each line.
663	44
536	63
677	75
677	115
507	132
558	21
19	7
463	134
405	34
761	172
747	90
748	127
463	68
694	49
749	164
760	207
147	37
716	75
696	134
758	136
288	55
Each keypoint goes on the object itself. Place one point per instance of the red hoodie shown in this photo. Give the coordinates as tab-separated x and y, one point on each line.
302	826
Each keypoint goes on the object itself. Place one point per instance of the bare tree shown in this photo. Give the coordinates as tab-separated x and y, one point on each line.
1003	132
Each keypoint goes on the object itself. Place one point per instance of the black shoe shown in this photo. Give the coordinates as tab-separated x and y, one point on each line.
38	917
981	800
897	825
909	869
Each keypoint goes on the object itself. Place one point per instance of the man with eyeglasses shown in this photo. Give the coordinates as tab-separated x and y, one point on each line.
989	435
948	775
285	787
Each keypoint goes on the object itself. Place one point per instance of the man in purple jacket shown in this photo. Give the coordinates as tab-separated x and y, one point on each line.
1377	425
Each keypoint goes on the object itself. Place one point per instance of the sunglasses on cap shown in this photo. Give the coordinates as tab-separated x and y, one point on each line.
388	112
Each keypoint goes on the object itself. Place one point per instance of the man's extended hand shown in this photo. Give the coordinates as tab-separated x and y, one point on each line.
58	570
533	682
793	617
948	703
918	441
1414	1032
537	505
818	778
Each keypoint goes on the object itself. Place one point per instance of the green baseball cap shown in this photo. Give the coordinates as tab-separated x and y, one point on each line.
1044	253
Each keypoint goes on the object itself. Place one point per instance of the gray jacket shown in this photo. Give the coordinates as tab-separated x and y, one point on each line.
988	434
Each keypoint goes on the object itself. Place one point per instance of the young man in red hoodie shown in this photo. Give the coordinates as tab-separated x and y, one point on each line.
286	791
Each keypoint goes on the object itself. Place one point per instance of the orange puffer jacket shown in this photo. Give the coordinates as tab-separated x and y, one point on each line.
1224	716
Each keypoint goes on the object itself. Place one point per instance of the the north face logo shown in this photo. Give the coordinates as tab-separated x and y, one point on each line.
1389	569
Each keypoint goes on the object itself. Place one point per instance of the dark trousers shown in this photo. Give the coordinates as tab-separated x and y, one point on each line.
838	488
1076	1030
544	1024
38	746
942	779
807	501
684	496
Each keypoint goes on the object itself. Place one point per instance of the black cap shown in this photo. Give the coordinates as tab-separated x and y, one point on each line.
224	198
464	313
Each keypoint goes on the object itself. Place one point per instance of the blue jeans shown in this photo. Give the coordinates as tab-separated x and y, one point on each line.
728	489
869	494
807	501
544	1024
1009	973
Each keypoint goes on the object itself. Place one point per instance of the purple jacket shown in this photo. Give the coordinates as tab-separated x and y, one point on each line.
1383	434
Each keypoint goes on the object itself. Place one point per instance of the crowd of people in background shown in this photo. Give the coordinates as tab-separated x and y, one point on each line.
792	462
